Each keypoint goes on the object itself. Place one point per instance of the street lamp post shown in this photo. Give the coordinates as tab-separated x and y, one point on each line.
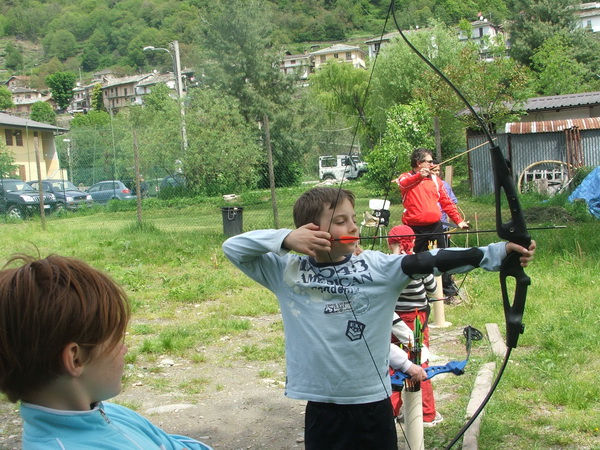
174	53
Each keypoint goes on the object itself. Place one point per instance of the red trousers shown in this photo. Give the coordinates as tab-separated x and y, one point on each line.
408	317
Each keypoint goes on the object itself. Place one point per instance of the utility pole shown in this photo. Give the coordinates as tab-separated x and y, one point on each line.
174	54
177	63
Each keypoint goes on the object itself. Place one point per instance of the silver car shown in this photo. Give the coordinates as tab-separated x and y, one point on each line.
104	191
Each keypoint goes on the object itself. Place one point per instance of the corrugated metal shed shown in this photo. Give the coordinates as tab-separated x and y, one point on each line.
526	143
550	126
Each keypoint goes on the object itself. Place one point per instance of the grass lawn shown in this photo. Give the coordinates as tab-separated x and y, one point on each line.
185	294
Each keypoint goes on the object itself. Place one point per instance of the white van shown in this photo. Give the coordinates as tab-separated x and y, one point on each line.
337	167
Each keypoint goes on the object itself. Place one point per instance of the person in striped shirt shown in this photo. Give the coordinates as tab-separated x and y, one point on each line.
412	302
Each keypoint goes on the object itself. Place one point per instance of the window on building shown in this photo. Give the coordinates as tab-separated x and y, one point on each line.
322	58
335	55
125	92
293	61
8	134
18	134
589	24
348	56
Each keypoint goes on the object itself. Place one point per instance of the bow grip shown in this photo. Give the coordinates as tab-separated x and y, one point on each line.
513	314
456	367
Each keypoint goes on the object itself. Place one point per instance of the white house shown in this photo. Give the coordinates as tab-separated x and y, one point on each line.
300	64
341	53
589	16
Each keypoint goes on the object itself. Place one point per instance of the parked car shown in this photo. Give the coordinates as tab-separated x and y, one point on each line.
336	167
68	196
177	180
104	191
19	200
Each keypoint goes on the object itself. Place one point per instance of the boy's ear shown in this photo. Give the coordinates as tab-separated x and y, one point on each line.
72	358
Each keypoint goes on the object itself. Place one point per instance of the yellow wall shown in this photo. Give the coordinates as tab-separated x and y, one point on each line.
24	155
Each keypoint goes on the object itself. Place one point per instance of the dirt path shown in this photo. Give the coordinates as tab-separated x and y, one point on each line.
235	408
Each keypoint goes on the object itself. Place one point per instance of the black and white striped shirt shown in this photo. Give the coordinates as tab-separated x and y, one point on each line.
414	296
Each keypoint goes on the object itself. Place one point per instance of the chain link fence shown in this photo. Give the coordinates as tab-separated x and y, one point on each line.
145	177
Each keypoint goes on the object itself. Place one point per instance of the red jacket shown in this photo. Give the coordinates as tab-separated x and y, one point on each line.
421	197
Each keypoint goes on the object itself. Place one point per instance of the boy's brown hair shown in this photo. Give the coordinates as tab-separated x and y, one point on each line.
310	205
46	304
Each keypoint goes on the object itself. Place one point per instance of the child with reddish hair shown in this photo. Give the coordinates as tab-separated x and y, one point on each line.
62	327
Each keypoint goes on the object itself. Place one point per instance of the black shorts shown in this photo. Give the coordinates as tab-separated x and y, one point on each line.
365	426
427	233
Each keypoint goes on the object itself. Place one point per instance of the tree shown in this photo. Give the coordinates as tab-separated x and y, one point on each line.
342	88
243	62
158	126
61	85
5	99
97	99
7	162
14	57
557	71
535	21
223	155
90	59
43	112
408	127
61	44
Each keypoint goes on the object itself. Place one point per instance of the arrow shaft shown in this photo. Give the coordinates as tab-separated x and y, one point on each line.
361	238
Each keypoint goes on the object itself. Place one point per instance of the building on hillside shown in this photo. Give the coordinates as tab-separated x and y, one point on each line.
118	93
484	33
296	64
82	98
23	137
341	53
23	104
145	86
588	16
17	81
375	44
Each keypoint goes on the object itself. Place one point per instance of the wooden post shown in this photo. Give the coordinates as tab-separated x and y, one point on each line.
36	151
439	315
271	172
136	164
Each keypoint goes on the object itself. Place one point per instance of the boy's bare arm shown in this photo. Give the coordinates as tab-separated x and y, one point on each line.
308	239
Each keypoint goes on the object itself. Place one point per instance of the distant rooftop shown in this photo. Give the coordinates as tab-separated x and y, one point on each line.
562	101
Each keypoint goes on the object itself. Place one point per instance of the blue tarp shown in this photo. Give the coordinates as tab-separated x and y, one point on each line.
589	190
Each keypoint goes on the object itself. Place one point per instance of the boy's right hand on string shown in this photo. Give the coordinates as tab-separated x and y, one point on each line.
308	239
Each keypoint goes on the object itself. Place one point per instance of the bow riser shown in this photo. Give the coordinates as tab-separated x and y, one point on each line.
514	230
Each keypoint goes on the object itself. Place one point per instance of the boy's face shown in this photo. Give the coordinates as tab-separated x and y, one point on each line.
339	222
102	375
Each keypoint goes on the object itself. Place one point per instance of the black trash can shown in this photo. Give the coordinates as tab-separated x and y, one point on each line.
232	220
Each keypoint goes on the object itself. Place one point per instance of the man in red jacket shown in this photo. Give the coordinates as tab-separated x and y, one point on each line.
421	192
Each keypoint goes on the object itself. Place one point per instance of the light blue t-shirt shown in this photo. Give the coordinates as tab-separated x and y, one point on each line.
105	427
337	317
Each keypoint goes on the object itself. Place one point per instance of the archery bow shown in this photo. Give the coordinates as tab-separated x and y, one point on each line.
455	367
514	230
